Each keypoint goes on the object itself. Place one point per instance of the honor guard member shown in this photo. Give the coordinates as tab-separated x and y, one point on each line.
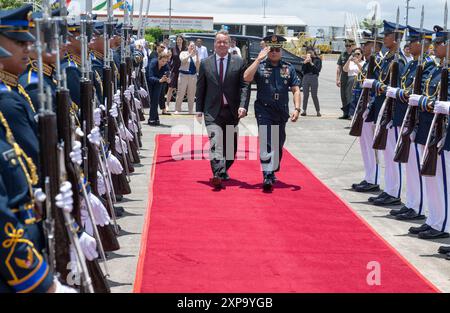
393	170
274	78
370	45
414	206
15	103
71	63
436	187
30	77
22	265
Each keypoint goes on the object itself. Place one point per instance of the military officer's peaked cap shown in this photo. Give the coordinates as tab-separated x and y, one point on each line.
118	29
98	27
275	41
4	53
15	23
415	34
389	28
367	37
349	41
439	34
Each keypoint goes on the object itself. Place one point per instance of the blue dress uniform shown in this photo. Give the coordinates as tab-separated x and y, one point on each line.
272	109
30	79
72	64
393	171
436	187
414	205
22	266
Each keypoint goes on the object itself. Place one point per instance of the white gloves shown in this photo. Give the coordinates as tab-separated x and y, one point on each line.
392	92
442	107
137	103
368	83
114	164
79	132
39	195
75	155
132	125
133	74
414	100
113	111
97	116
119	144
131	88
143	92
127	94
117	98
64	198
101	215
101	184
94	137
125	133
88	246
60	288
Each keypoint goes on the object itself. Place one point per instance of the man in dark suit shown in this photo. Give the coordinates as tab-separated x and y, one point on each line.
222	98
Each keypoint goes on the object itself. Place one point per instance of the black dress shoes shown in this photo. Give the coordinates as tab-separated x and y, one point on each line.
367	187
216	181
389	200
444	249
225	176
119	211
344	117
361	183
420	229
403	210
380	196
409	216
433	234
267	184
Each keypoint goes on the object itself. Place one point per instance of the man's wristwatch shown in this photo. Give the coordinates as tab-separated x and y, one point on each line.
297	109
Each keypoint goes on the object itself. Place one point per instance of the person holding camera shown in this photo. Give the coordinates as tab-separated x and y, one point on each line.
310	69
157	73
353	67
187	78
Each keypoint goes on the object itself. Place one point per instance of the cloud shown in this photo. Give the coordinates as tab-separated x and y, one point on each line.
313	12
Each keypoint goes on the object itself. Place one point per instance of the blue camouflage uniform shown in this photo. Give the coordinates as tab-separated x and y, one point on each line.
272	106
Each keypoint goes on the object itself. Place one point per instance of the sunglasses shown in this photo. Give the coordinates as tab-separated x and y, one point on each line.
357	54
348	46
275	49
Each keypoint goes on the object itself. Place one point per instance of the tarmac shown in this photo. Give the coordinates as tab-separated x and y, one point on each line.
320	143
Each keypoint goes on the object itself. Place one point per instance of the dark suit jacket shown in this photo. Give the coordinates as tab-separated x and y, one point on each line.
210	90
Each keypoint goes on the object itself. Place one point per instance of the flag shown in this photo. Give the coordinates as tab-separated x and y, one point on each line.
118	4
100	6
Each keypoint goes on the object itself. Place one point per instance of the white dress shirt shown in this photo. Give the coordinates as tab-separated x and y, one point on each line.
235	50
202	52
225	63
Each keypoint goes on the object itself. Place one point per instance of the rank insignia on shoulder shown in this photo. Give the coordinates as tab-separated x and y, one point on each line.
9	155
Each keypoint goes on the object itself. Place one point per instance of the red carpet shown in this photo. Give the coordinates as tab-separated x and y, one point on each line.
300	238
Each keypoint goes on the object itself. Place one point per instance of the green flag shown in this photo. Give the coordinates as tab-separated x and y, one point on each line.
100	6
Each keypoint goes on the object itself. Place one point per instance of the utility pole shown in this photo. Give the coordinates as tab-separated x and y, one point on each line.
264	8
407	11
170	17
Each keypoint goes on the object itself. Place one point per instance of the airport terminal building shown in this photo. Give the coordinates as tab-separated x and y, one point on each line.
236	24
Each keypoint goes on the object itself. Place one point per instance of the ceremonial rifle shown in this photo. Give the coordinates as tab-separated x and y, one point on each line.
358	117
436	136
386	112
410	120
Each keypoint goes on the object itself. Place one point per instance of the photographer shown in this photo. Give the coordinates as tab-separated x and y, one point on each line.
187	79
311	69
158	73
353	67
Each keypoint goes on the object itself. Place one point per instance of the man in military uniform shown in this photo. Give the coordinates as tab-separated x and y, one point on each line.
342	80
17	106
371	45
437	223
393	170
273	78
415	205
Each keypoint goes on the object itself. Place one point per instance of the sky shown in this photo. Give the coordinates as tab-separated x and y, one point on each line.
313	12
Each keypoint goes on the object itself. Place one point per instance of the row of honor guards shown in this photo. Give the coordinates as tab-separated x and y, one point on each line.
71	96
402	113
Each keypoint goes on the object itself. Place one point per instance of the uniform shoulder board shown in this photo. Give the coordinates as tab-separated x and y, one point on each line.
4	87
286	63
32	77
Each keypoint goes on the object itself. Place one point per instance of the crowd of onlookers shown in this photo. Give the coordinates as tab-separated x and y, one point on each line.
171	73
